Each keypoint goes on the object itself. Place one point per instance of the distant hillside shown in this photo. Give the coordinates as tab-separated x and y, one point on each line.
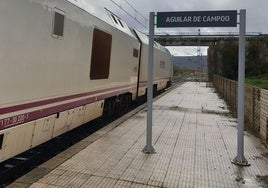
190	62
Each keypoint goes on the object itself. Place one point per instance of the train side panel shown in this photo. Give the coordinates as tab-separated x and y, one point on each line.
162	66
16	140
33	58
46	88
62	67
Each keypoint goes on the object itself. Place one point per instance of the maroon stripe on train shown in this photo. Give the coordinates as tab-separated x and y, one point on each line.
10	109
34	115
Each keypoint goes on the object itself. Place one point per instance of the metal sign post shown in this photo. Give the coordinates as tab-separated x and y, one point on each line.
225	18
149	148
240	159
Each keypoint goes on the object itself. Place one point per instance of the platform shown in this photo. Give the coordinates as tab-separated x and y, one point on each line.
194	137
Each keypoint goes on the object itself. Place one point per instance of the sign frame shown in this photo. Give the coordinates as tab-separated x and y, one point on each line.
239	159
221	18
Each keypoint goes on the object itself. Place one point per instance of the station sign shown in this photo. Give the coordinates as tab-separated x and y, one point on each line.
224	18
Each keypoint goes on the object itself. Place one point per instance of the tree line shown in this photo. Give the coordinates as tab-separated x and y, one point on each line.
223	58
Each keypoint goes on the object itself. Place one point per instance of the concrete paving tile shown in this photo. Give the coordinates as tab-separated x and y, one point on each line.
52	176
195	141
42	185
93	181
122	184
71	179
18	185
53	163
33	175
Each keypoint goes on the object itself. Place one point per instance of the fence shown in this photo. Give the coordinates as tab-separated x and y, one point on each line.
256	104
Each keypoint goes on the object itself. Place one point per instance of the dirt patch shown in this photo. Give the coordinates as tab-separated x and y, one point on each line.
139	117
265	155
262	180
177	108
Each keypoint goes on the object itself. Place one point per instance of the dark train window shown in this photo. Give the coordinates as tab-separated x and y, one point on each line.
114	19
162	64
58	25
1	141
117	20
121	23
135	52
101	55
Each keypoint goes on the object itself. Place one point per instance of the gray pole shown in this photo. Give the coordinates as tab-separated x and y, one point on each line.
199	54
240	159
149	148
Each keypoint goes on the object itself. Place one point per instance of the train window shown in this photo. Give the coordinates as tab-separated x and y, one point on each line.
117	20
101	55
135	52
1	141
114	19
162	64
121	23
58	26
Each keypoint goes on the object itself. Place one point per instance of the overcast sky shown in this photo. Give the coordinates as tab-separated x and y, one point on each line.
257	12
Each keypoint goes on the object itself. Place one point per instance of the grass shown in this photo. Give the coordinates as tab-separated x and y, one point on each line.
259	81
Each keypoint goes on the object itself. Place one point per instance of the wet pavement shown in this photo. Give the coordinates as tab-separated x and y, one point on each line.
195	140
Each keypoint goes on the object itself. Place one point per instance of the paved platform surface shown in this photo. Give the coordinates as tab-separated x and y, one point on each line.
194	137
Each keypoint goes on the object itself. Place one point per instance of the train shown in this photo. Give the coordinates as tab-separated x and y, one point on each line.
65	63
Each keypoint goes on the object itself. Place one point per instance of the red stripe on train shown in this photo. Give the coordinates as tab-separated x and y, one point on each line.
41	113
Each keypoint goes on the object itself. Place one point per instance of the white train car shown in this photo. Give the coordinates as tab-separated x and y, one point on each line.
65	63
163	67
